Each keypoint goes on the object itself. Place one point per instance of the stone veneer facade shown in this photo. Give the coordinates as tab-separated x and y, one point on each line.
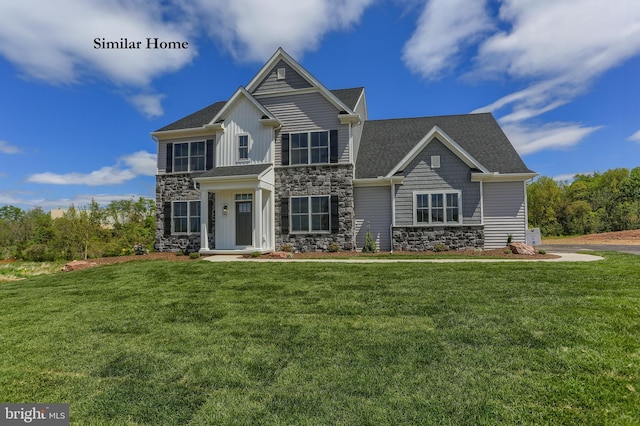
335	179
175	187
419	238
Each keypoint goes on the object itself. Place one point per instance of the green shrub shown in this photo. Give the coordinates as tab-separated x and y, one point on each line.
333	247
37	253
194	255
256	254
542	251
440	247
369	242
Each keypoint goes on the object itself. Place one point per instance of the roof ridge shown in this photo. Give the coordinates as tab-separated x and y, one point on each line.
431	117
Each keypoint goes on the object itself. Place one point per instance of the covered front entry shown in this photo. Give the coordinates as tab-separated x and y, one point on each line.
243	211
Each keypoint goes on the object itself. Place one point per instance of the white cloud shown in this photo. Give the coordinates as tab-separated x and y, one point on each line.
554	49
104	176
530	139
7	148
149	105
251	30
139	164
24	201
54	41
635	137
568	177
444	28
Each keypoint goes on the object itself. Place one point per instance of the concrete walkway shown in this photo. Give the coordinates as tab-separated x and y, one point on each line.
564	257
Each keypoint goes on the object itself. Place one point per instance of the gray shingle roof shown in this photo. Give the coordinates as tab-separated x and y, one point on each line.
349	96
197	119
246	170
385	143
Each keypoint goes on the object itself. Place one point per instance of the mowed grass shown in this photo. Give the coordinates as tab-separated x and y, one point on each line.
164	343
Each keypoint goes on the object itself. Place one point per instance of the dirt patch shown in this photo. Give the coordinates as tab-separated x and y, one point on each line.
606	238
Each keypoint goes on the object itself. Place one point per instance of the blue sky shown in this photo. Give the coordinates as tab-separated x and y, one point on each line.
561	76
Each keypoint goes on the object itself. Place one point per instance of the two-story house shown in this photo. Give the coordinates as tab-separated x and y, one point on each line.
285	161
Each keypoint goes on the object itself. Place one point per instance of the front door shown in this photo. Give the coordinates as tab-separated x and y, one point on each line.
244	220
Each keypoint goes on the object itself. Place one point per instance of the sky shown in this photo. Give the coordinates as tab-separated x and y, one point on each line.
562	77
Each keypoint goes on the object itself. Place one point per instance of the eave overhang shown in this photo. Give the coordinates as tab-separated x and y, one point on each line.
378	181
502	177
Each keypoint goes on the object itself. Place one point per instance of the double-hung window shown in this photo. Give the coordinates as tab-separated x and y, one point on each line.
437	208
243	147
310	214
299	148
310	148
189	156
186	217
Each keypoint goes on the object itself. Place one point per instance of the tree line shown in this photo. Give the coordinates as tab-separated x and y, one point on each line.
591	203
81	233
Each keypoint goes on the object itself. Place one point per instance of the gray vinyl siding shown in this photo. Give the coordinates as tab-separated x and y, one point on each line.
504	213
373	206
453	175
292	80
307	112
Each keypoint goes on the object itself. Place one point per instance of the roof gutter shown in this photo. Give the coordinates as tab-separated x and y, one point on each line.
502	177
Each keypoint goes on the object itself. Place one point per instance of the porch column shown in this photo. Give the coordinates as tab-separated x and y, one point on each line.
204	219
258	218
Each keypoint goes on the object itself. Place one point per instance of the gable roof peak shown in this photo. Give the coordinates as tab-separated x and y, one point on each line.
282	55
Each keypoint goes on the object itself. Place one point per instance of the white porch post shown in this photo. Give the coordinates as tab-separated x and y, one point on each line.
204	220
258	218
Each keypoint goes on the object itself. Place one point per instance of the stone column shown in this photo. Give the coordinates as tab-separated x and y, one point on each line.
257	207
204	220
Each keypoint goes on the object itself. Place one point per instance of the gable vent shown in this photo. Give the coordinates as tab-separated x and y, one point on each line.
282	73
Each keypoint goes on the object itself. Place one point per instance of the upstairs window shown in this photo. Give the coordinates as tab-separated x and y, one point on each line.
243	147
320	147
299	148
189	156
437	208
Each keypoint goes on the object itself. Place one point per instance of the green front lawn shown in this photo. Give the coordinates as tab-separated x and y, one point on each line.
201	343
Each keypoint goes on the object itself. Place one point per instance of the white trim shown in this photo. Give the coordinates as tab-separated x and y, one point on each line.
349	118
379	181
437	132
194	132
227	106
502	177
430	207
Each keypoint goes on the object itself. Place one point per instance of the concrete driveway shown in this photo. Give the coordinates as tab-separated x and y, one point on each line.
573	248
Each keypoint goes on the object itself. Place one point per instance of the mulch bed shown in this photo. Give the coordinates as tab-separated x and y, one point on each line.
454	253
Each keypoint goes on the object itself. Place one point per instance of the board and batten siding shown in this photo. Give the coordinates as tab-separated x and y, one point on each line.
271	83
306	112
243	119
452	175
504	213
373	206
